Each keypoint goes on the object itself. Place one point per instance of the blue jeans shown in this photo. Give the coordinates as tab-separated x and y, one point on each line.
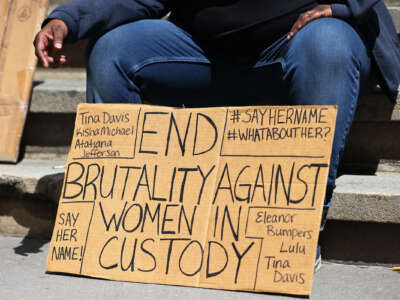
326	63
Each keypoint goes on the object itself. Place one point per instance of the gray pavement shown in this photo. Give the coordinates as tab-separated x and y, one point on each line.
22	276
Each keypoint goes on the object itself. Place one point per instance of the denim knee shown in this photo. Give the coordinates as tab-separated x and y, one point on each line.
145	58
125	45
330	42
111	58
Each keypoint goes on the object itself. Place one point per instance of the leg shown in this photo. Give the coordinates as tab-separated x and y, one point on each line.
326	63
147	60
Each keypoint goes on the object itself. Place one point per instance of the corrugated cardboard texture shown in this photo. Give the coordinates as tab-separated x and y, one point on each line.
224	198
19	22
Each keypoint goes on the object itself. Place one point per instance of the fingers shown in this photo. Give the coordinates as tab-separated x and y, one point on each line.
48	42
302	21
58	61
55	37
318	12
40	49
58	37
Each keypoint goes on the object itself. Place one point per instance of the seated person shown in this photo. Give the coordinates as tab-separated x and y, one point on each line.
231	52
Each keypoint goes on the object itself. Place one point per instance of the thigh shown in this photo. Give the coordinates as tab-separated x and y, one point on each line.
262	76
325	61
154	58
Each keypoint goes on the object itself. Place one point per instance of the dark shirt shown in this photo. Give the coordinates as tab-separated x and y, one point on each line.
238	25
88	18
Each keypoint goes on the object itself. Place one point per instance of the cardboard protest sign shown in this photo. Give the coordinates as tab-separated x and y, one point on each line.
225	198
19	21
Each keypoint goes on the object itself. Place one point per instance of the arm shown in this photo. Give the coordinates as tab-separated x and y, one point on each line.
355	9
88	18
79	19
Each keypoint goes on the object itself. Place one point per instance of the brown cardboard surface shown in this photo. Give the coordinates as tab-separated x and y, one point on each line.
19	22
225	198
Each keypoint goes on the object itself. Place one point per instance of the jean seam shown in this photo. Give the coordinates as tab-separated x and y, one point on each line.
164	59
266	64
348	121
275	56
351	112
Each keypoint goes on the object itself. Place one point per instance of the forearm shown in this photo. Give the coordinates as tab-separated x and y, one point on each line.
88	18
360	8
341	11
351	9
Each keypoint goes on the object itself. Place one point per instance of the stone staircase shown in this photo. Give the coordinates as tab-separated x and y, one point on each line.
363	223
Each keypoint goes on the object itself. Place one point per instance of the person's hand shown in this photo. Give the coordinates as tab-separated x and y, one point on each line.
320	11
49	41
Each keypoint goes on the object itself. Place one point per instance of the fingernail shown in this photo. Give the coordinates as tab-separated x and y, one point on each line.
58	45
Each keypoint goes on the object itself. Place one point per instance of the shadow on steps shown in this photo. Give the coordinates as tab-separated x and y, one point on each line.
376	243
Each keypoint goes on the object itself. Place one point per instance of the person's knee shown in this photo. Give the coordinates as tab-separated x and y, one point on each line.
112	56
129	42
100	55
330	42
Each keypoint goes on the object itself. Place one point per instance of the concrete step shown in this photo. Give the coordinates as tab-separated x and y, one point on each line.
360	198
366	198
364	219
363	206
395	13
66	89
62	95
28	196
50	122
57	96
388	2
62	90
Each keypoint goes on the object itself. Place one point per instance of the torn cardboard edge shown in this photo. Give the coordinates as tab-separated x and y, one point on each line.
21	20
